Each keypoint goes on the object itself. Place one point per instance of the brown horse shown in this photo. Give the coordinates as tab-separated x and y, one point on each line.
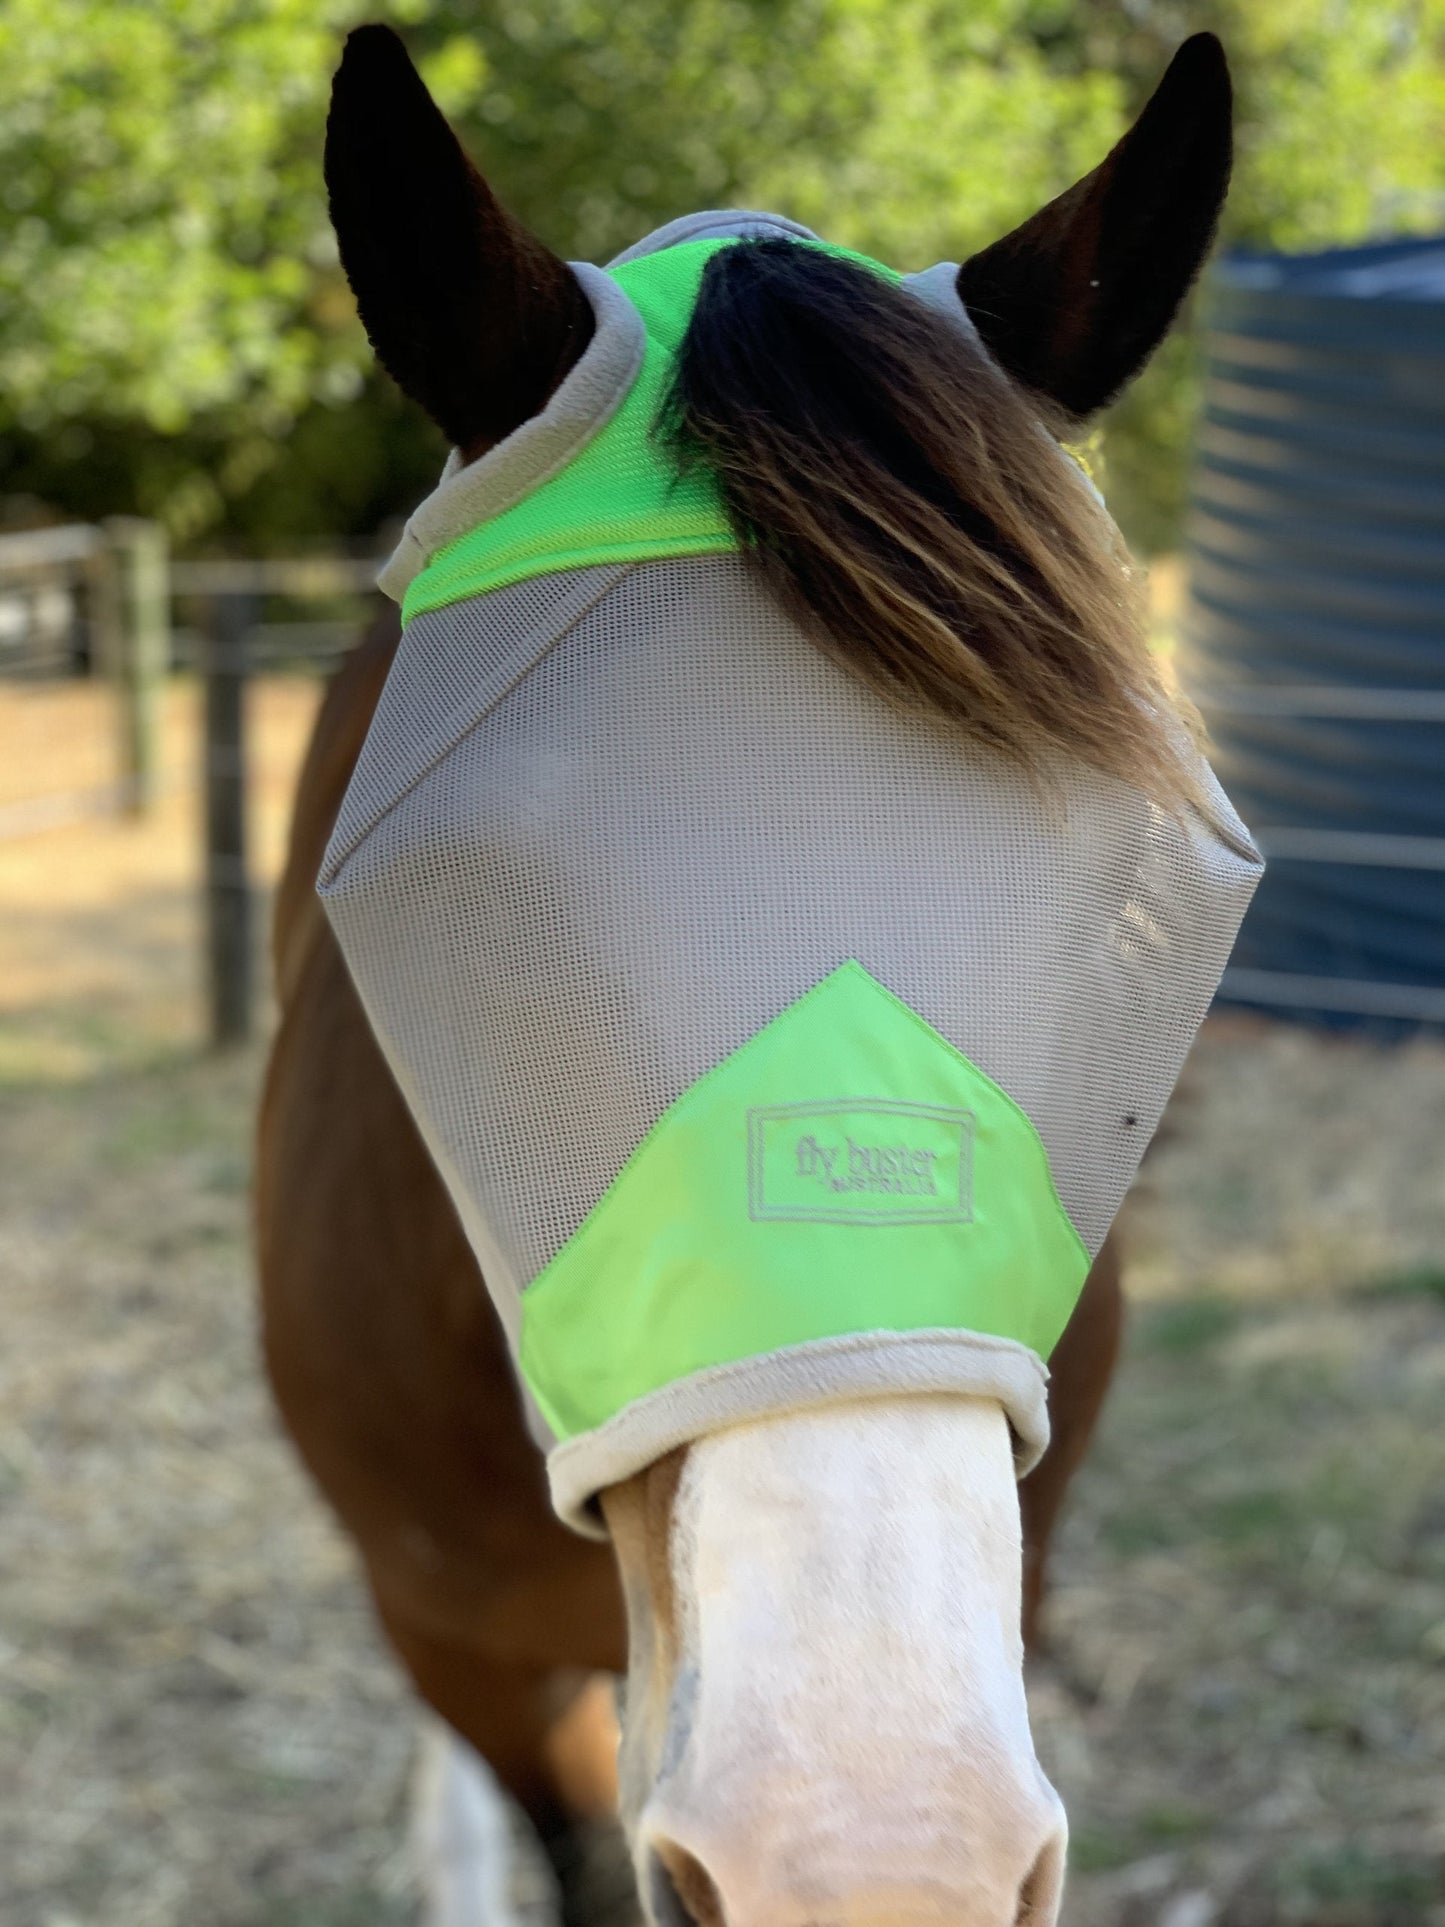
802	1595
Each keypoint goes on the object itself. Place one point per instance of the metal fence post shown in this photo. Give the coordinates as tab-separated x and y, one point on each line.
229	921
142	650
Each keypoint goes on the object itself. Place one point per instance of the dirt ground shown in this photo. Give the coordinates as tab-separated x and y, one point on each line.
1244	1706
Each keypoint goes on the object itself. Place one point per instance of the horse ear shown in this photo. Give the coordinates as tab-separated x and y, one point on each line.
1075	301
468	313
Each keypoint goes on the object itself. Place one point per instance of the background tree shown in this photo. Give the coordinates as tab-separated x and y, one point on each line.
175	336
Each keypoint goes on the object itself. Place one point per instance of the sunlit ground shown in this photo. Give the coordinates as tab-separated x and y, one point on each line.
100	917
1245	1703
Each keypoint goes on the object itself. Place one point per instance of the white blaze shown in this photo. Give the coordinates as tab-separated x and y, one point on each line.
842	1736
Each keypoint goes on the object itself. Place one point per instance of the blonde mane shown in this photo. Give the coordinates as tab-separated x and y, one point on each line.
902	497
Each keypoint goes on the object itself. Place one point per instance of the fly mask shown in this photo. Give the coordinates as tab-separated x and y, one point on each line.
777	1044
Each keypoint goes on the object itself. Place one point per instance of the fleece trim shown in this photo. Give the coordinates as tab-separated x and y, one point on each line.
825	1372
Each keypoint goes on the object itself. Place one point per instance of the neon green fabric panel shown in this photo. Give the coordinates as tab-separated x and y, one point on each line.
847	1170
616	501
620	499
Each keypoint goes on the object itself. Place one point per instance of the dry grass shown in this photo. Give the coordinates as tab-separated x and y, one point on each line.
196	1723
196	1720
1245	1706
1246	1700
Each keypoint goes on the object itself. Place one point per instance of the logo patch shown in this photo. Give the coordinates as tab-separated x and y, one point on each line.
861	1160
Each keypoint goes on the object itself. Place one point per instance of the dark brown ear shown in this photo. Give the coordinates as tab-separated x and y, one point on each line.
1075	301
472	316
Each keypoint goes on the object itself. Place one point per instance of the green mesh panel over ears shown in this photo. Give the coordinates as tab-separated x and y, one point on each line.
847	1170
621	499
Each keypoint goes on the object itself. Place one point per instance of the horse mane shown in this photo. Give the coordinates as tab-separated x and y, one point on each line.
903	498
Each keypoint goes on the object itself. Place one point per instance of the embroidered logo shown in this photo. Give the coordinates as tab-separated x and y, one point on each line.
861	1161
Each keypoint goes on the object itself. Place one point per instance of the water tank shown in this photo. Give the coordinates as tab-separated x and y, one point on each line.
1314	636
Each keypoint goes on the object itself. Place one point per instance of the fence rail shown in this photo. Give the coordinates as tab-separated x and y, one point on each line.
96	597
53	598
49	548
305	577
102	597
231	644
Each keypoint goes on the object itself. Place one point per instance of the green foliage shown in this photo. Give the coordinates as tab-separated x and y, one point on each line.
1340	137
1187	1326
175	335
168	294
1421	1281
1349	1882
163	234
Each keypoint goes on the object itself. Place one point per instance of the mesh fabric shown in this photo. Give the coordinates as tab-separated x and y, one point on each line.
617	814
609	824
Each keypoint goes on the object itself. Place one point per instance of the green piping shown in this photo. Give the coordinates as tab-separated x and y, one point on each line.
619	499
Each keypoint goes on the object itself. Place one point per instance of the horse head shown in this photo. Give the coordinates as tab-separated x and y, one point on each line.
825	1717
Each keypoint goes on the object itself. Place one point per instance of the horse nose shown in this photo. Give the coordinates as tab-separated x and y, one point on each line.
681	1892
743	1879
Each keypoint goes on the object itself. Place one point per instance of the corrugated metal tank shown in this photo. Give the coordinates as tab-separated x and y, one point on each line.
1314	638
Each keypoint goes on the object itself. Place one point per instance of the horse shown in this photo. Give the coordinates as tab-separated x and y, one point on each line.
820	1615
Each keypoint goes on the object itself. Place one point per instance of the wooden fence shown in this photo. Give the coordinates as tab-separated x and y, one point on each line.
94	597
232	643
104	599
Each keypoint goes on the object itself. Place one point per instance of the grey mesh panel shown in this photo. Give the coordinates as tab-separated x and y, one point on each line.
608	824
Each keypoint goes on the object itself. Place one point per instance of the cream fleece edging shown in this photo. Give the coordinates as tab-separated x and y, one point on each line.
714	223
937	288
595	389
878	1364
587	399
